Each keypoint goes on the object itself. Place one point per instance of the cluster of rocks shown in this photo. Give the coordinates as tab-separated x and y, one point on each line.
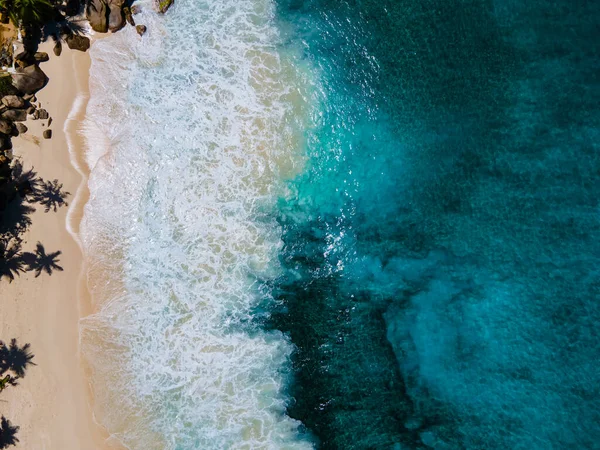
112	15
18	103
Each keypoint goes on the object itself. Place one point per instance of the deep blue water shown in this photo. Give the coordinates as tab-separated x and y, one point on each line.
442	248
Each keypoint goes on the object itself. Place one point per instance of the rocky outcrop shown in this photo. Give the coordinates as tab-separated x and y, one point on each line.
97	12
163	5
5	143
30	79
13	101
76	42
116	17
141	29
15	115
6	127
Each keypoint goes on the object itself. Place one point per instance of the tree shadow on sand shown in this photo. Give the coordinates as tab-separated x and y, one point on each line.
40	261
27	189
50	195
11	262
8	433
14	358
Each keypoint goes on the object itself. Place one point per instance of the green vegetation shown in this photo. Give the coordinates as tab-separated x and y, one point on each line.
26	13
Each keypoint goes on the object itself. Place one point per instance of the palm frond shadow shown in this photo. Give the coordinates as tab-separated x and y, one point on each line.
40	261
8	433
11	262
14	358
27	189
50	195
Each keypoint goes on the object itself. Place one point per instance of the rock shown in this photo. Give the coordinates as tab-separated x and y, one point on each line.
21	128
42	114
16	115
136	9
81	43
163	5
96	12
5	143
116	18
13	101
128	16
22	56
31	109
49	121
47	134
28	97
6	127
41	57
141	29
57	48
29	80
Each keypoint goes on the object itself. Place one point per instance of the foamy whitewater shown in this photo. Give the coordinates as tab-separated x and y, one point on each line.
192	131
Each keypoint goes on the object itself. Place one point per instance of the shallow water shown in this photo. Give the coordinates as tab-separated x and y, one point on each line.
346	225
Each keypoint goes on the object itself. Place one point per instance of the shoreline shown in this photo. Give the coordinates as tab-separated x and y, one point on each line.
53	403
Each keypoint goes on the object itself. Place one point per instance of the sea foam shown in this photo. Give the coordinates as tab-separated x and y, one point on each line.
191	131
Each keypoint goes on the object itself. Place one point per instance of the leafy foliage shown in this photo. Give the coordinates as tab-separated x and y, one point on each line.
28	12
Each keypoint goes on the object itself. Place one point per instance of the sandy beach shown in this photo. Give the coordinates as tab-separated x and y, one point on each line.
53	403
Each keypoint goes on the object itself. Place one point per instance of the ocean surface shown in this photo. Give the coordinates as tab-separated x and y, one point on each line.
346	225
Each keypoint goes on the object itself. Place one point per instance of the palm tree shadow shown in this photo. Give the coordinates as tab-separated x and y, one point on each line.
8	433
11	261
50	195
40	261
24	180
14	358
15	220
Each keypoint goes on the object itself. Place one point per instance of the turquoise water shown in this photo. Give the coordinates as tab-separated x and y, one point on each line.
346	225
442	248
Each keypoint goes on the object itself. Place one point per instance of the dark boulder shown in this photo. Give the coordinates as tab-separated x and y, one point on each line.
141	29
57	48
47	134
16	115
29	80
116	18
41	57
6	127
42	114
13	101
97	12
5	142
81	43
21	128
